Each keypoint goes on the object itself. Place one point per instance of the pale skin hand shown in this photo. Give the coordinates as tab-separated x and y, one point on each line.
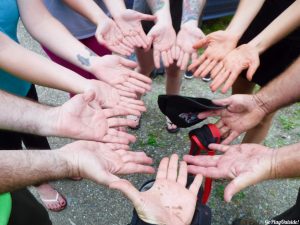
97	162
239	59
129	22
109	97
217	45
164	39
118	72
160	204
242	113
186	37
109	34
81	118
244	165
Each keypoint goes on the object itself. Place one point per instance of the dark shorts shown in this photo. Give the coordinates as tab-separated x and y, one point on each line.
278	57
27	210
175	9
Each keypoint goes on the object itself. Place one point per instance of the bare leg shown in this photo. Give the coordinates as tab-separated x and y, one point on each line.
258	133
173	81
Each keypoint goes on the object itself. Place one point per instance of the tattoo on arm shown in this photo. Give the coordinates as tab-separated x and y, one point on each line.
91	53
190	10
156	5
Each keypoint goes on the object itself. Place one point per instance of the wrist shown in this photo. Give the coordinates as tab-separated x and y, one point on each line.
273	170
70	160
257	45
190	23
261	103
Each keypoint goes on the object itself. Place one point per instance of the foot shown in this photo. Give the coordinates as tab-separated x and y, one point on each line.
136	119
171	127
51	198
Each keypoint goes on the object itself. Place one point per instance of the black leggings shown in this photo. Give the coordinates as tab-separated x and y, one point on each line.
13	140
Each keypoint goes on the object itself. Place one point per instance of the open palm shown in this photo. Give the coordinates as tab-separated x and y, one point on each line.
161	204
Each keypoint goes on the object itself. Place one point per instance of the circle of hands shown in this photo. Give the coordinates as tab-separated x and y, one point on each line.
97	114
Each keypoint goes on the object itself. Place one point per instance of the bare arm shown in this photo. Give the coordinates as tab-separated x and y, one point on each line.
191	11
285	23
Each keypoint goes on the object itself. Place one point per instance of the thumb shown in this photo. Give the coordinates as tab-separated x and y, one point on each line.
222	102
89	96
148	17
201	43
128	63
128	190
252	68
153	33
238	184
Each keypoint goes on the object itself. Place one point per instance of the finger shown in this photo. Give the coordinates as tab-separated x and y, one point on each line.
211	172
128	190
165	60
162	169
121	135
145	39
128	94
172	168
140	77
215	71
211	113
201	43
136	157
138	41
208	68
195	186
133	107
219	147
224	130
185	61
238	184
219	80
203	160
128	51
232	136
173	51
127	43
132	168
231	79
113	139
121	122
140	84
170	58
134	88
146	17
132	101
128	63
156	58
179	61
177	52
194	56
116	146
182	175
250	72
130	40
201	68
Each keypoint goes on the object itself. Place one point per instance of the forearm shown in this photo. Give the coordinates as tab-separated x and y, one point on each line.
161	9
115	7
19	114
191	11
286	163
23	168
52	34
37	69
88	9
282	91
244	15
285	23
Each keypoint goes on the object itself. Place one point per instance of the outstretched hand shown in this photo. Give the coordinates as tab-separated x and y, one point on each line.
81	119
244	165
163	37
129	22
118	72
185	40
161	204
242	113
227	71
109	34
97	162
217	45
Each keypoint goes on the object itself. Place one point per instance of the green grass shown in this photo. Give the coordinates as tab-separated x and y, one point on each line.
216	24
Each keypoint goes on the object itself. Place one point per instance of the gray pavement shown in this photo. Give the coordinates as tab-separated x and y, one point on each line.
91	204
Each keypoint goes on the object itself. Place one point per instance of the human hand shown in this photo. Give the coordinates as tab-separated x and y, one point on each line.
163	37
217	45
118	72
245	165
109	34
186	37
109	97
242	113
79	118
239	59
97	162
129	22
160	204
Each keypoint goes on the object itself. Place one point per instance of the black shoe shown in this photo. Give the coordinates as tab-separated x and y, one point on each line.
188	75
207	78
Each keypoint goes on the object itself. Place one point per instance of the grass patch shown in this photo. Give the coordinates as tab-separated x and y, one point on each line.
216	24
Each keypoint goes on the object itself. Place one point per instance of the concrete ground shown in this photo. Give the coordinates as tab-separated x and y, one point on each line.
91	204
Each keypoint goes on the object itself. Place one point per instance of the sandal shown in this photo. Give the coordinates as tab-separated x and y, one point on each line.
171	127
59	200
136	119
